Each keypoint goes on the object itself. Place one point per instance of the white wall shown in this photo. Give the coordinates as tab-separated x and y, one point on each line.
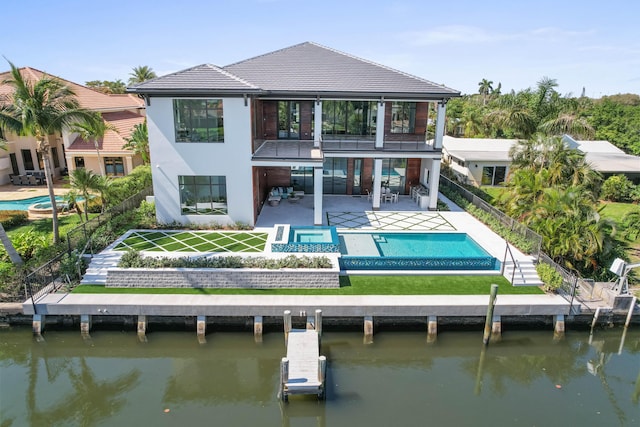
232	159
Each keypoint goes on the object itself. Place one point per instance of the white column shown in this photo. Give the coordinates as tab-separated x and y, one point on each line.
434	181
380	130
442	111
377	183
317	123
317	195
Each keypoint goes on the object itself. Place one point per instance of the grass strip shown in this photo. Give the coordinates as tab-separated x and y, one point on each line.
354	285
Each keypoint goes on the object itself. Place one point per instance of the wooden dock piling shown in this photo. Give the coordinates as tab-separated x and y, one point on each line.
488	324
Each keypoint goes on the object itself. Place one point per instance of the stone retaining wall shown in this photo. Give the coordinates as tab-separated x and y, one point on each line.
222	278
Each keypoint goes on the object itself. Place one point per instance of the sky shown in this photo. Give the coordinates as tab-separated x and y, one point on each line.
584	44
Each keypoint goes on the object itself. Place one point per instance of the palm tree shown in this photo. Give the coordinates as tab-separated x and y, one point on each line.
14	256
84	181
141	74
139	142
104	188
485	88
39	109
93	131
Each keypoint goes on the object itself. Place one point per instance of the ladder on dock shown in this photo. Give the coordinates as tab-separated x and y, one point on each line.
303	370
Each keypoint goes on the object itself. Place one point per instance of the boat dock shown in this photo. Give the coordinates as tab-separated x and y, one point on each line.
303	371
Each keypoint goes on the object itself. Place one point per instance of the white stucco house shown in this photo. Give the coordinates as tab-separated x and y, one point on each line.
486	161
304	119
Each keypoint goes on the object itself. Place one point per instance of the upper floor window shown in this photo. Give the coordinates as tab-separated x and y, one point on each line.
198	120
403	117
349	117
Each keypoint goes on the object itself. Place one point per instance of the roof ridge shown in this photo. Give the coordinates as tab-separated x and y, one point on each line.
386	67
233	76
208	65
266	54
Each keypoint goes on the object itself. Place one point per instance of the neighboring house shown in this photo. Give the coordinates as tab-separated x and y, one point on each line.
479	161
306	118
68	151
608	159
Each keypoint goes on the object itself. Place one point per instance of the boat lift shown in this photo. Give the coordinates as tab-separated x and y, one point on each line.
621	269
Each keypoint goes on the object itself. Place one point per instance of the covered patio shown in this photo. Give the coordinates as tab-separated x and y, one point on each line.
338	210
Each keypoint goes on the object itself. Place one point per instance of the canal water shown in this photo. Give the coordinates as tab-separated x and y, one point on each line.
527	379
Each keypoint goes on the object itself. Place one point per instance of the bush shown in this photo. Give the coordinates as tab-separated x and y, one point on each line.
11	219
617	188
133	259
551	278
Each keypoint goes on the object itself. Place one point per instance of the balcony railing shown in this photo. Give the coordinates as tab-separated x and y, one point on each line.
287	149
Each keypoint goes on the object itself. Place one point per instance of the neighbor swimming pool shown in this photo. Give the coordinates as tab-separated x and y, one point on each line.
23	204
413	251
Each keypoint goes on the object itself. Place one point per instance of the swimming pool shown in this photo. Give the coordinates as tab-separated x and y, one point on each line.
413	251
23	204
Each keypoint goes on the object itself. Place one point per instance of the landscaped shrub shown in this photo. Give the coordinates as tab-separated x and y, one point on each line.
29	243
133	259
551	278
69	265
11	219
126	186
617	188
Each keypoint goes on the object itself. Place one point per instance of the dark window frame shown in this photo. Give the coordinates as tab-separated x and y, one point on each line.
203	123
196	190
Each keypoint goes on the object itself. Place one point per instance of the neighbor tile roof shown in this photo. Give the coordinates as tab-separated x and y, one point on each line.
123	121
88	98
306	69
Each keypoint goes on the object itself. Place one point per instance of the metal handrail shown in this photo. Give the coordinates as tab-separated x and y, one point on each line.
504	262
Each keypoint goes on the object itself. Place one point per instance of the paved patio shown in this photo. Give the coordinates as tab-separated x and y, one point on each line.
18	192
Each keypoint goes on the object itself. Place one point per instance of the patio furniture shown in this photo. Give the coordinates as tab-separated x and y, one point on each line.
16	179
274	200
31	180
298	194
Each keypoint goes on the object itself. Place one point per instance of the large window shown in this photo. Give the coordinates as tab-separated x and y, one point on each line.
79	162
349	118
334	176
493	175
114	166
394	173
27	160
203	195
288	120
302	178
403	117
198	120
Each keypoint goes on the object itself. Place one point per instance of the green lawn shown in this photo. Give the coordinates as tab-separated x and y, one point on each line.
616	211
66	223
355	285
194	241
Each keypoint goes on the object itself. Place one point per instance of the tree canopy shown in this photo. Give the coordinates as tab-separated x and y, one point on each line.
543	110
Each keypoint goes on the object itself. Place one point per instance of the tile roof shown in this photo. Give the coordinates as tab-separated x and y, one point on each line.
306	69
88	98
311	68
123	121
205	77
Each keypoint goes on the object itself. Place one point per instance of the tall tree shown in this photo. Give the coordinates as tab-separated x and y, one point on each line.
138	142
141	74
14	256
484	89
41	108
94	131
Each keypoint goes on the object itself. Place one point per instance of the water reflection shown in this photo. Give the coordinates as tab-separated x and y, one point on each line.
527	378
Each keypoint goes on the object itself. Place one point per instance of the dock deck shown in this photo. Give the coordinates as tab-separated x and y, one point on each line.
303	353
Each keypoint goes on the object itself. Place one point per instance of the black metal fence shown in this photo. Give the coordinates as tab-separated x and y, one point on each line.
573	286
529	235
49	276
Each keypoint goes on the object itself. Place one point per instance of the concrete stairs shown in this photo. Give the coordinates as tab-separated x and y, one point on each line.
96	273
525	272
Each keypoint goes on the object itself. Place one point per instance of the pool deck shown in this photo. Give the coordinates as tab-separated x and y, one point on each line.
15	192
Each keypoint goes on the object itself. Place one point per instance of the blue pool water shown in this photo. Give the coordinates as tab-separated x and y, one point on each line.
311	235
23	204
413	251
